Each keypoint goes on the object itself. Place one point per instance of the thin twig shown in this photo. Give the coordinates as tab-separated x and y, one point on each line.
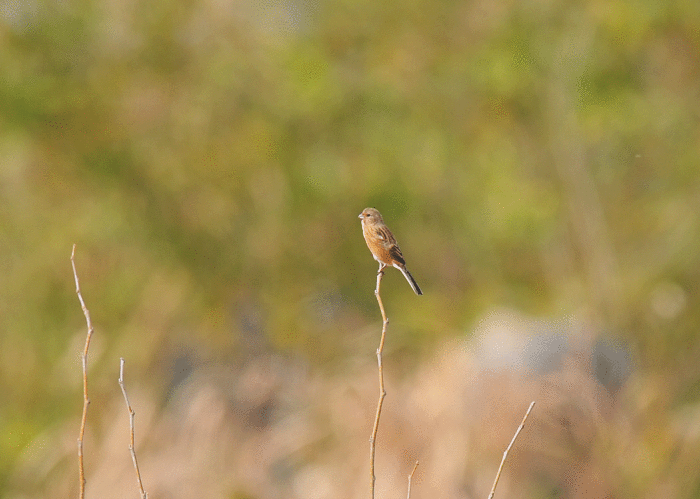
410	477
505	454
86	400
382	391
132	415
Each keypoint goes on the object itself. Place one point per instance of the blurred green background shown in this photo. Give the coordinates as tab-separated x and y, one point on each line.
209	159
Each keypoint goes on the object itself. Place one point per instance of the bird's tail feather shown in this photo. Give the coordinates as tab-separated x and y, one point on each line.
411	280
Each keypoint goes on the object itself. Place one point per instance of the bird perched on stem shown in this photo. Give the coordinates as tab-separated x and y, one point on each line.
382	243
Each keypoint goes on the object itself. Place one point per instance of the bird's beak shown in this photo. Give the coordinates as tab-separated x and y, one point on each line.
360	216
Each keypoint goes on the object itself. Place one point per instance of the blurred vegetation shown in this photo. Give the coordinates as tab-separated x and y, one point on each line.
210	159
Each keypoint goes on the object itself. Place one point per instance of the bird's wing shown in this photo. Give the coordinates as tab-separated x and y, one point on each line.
395	252
385	236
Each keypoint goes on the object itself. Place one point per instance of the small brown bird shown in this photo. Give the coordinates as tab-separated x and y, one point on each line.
382	243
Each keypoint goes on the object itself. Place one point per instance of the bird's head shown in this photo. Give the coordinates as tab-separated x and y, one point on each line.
370	216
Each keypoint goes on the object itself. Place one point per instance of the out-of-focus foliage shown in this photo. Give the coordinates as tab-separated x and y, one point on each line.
209	158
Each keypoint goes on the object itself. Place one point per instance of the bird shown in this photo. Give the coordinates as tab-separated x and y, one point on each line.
382	243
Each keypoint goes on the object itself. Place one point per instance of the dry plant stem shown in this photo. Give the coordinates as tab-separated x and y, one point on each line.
382	391
86	400
410	477
505	454
132	415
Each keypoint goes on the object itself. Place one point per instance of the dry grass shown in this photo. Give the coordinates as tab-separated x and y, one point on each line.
274	428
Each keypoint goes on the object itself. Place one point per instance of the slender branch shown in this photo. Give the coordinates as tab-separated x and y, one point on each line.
132	415
86	400
382	391
410	477
505	454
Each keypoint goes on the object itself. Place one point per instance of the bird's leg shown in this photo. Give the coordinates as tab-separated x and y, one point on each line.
381	268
